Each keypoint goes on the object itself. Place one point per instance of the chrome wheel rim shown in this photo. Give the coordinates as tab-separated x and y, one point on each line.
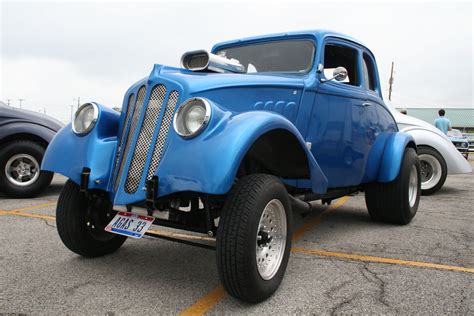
22	169
431	171
413	186
271	239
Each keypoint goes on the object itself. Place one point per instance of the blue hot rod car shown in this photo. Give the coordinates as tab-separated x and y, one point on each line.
229	145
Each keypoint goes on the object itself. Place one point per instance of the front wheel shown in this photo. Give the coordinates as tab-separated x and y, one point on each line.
396	202
81	223
254	238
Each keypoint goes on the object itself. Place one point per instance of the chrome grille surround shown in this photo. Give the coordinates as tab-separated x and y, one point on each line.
137	109
162	133
145	137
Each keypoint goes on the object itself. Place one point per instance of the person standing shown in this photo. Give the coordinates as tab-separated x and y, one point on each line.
443	123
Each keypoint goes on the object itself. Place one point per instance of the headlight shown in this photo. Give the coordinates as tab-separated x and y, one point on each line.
192	117
85	118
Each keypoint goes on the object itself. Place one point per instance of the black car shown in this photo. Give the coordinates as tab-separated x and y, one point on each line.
24	136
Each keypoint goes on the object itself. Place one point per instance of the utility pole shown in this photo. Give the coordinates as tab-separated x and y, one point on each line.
21	100
390	83
8	102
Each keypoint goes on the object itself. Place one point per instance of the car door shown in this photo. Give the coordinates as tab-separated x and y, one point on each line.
380	123
338	125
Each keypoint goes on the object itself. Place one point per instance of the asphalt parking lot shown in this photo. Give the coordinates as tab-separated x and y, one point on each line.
341	263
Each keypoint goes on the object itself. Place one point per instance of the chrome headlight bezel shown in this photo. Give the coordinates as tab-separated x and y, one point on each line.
79	111
180	115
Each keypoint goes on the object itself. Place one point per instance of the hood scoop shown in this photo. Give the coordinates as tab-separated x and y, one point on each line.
201	60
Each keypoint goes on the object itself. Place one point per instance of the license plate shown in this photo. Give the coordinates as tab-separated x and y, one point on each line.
131	225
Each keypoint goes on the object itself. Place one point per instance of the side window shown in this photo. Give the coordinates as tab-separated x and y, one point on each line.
368	66
337	56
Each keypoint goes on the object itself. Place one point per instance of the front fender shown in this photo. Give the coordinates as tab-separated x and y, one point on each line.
392	157
14	128
68	153
210	161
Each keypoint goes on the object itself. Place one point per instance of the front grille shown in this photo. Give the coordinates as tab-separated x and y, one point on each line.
162	133
159	105
144	138
134	121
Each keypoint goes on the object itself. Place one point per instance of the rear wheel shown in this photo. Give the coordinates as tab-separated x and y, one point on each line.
20	175
81	223
433	170
254	238
396	202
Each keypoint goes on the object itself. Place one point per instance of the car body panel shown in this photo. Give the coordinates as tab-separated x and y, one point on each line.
245	106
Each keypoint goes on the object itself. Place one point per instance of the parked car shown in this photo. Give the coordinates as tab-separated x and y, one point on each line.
24	136
438	156
470	139
460	141
229	146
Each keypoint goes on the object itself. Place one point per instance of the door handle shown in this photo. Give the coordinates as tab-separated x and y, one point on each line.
365	104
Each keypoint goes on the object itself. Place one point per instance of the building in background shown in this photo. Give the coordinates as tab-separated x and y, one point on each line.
462	119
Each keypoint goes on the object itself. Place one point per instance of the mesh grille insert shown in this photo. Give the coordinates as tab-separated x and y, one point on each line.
135	114
144	138
163	133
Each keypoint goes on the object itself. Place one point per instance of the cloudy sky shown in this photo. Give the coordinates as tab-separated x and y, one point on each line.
53	52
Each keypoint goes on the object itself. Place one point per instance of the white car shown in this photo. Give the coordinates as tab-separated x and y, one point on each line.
438	156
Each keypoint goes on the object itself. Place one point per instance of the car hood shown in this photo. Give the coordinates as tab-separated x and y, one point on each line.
203	81
235	92
458	139
21	115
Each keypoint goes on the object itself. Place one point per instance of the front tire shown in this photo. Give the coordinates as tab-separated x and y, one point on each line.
20	175
396	202
81	224
433	170
254	238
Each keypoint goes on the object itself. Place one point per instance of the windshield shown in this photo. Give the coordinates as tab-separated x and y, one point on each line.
287	56
455	133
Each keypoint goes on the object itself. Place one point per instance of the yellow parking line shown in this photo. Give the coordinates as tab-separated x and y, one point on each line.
22	214
355	257
205	303
213	297
30	207
19	212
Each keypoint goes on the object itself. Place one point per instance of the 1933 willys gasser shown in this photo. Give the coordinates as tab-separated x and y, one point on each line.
229	146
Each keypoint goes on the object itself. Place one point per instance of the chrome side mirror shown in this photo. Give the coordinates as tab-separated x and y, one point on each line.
339	74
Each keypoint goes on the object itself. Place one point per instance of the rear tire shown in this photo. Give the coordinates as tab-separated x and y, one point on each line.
433	170
254	238
20	175
82	229
396	202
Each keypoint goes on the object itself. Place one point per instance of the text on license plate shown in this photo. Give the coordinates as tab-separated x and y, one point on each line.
128	224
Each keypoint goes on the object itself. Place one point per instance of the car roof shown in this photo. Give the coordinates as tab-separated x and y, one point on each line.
319	34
